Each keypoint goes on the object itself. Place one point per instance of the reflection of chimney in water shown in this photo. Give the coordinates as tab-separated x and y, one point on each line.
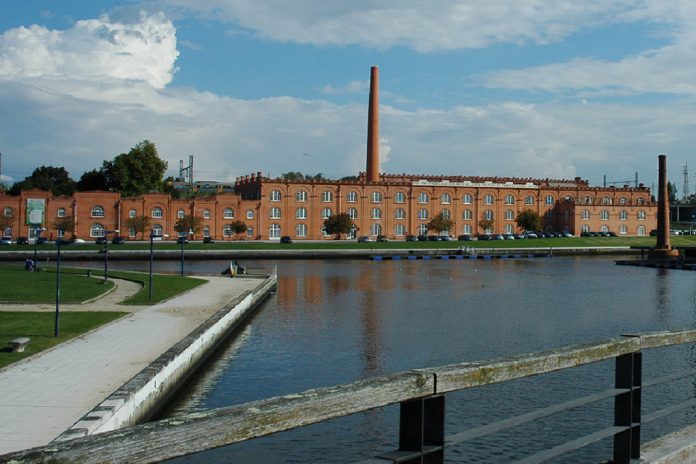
372	170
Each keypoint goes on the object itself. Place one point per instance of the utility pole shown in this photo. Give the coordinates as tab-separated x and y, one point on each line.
685	186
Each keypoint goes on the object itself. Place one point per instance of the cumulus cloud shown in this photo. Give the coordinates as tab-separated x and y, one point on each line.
93	50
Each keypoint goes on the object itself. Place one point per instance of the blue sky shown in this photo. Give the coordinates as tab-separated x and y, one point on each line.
535	88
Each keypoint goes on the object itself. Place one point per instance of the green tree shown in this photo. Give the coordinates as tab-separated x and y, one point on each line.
65	223
137	172
238	227
139	223
486	224
338	224
188	224
440	223
92	180
528	220
5	223
292	176
56	180
672	192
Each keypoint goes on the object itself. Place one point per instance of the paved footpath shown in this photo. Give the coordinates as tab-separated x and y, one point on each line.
42	396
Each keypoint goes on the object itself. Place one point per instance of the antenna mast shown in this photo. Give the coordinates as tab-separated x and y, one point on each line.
685	186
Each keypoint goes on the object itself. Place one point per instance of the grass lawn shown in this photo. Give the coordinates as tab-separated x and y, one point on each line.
20	286
40	326
164	286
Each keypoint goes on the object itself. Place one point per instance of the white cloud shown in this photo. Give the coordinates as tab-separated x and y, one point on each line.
424	26
94	50
351	87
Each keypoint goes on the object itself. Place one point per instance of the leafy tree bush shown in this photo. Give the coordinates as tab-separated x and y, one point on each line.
528	220
137	172
56	180
338	224
440	223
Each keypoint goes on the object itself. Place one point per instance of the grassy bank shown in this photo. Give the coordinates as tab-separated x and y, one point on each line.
40	326
20	286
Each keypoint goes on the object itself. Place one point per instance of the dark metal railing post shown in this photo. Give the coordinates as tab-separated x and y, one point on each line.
627	407
421	432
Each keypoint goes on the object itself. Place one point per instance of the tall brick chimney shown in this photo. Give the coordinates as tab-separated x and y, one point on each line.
372	171
662	249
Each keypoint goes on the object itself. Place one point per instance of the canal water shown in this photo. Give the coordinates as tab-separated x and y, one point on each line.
333	322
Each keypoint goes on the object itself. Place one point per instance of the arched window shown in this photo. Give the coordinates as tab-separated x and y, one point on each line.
623	201
488	199
227	231
422	214
585	228
376	229
352	213
301	213
445	199
509	200
60	212
549	200
326	213
529	200
604	215
206	231
97	212
623	215
274	231
206	214
301	196
604	229
399	213
488	215
585	215
250	214
467	229
326	196
623	230
156	230
422	229
399	197
641	230
508	229
509	215
8	212
376	197
131	213
180	214
301	229
352	197
275	213
157	212
275	195
467	199
399	230
423	197
641	201
96	230
641	215
446	213
467	215
376	213
228	213
606	201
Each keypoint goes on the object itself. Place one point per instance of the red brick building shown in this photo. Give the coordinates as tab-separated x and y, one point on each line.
379	204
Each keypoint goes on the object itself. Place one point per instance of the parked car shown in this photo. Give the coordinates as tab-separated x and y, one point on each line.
365	239
508	237
497	237
181	239
446	238
41	241
519	236
568	234
530	235
611	234
484	237
6	241
118	240
382	238
465	238
209	240
22	241
422	238
285	239
411	238
100	240
434	238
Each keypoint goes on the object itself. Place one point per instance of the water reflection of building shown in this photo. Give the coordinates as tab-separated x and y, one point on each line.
393	205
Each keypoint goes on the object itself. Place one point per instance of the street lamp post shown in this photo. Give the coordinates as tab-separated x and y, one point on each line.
149	289
37	234
106	253
182	238
55	332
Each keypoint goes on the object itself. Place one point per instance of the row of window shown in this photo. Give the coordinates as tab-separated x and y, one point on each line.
327	196
97	230
399	213
158	213
604	215
623	229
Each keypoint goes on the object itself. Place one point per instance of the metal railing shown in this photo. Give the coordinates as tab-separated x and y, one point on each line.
421	394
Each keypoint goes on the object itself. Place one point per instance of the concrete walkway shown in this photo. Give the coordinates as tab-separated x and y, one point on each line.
42	396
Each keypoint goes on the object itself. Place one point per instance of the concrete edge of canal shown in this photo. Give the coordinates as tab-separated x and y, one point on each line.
152	388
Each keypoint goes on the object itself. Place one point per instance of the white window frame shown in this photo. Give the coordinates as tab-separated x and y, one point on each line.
326	196
275	195
228	213
97	211
157	212
423	198
352	197
376	197
488	199
399	197
445	199
274	213
467	199
301	229
301	196
301	213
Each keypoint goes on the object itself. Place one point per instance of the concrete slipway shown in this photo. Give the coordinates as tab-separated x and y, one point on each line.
118	374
